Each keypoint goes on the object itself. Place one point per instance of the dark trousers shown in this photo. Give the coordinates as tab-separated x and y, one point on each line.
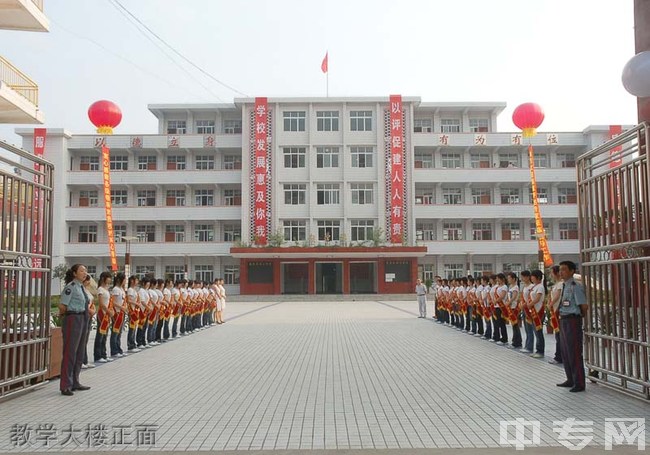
151	331
539	337
183	323
571	342
488	328
116	338
88	330
159	327
75	336
141	337
130	337
460	320
99	349
166	329
175	326
516	335
479	325
500	331
558	348
468	318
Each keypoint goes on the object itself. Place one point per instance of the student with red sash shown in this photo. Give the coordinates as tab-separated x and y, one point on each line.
526	287
133	306
536	309
514	310
105	313
500	310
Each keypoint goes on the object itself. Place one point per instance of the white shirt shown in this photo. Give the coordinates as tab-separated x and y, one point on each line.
223	292
538	289
118	296
132	295
513	296
176	294
526	291
105	296
160	295
167	295
556	294
144	296
153	295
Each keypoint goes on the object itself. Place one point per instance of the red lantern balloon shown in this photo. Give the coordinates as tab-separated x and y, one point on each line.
528	117
105	115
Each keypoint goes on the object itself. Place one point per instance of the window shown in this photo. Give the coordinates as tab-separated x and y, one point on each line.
481	231
327	157
428	271
146	198
204	273
425	231
327	194
478	125
232	162
566	159
232	126
423	160
175	233
145	270
542	195
510	231
230	274
294	194
452	231
119	198
260	272
362	230
175	198
89	163
480	160
204	233
119	163
423	125
232	197
294	120
567	196
88	198
452	196
146	232
92	270
450	125
361	156
514	267
205	162
119	232
509	160
547	230
176	163
401	270
452	160
480	269
294	157
329	231
454	271
362	193
510	196
147	163
424	196
541	160
203	197
295	231
327	120
568	231
481	196
176	127
87	234
175	272
231	232
360	120
205	127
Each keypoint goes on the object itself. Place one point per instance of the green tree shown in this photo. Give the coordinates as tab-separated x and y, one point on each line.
59	272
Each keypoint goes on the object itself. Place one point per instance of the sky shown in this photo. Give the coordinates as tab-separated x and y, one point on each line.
566	55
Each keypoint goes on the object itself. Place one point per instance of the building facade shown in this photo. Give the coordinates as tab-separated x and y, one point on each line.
190	194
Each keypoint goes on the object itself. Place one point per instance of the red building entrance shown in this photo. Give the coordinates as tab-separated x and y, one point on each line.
328	270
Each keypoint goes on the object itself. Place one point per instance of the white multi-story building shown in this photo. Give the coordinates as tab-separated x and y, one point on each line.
187	194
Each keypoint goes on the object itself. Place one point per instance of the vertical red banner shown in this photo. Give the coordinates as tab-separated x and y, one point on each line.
37	220
396	234
106	170
614	184
260	166
615	153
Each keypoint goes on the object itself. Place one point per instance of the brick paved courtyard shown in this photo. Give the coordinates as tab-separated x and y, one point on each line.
318	375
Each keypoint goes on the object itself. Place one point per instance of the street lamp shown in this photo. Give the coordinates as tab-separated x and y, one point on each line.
127	254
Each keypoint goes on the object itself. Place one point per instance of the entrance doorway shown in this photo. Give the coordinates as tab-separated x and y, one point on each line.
329	278
363	277
295	278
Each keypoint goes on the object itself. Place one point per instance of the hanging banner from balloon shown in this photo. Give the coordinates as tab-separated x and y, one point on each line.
106	115
528	117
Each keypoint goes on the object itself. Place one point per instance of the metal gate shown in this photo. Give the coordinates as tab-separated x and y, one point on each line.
25	276
614	218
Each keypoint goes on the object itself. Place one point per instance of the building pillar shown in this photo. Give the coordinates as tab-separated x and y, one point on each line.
641	44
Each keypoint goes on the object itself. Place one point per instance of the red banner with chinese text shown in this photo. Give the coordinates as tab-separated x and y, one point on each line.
396	234
614	184
261	116
539	224
37	210
106	170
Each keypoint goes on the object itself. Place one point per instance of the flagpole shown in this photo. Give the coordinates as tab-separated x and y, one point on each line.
327	87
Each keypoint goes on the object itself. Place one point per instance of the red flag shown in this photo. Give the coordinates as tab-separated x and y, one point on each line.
323	66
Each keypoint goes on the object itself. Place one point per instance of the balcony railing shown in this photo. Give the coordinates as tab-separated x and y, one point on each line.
17	81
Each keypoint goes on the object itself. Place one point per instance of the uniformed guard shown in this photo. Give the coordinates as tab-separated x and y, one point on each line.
573	308
74	310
